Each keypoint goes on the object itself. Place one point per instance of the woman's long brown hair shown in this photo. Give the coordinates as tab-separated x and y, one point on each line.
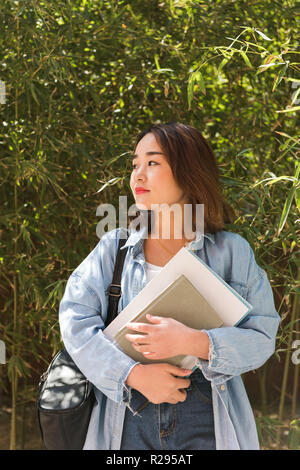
195	170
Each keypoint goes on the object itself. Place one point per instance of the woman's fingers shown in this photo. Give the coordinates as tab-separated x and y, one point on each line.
178	371
137	339
183	395
142	348
141	327
180	396
183	383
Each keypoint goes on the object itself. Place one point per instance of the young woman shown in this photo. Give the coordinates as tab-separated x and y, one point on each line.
158	406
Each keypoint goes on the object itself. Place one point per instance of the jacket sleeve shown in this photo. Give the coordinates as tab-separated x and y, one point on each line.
236	350
82	313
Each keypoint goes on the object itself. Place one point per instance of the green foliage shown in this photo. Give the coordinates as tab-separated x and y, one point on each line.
294	435
82	78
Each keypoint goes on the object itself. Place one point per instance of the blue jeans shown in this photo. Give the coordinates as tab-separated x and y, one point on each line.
184	426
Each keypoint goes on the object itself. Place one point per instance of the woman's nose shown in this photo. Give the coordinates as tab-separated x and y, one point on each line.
140	173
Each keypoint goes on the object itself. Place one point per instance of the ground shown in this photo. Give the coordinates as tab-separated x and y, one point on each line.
32	439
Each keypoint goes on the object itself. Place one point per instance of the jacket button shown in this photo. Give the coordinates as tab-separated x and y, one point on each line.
222	387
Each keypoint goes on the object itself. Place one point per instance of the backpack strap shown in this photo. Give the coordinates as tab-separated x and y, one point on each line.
114	289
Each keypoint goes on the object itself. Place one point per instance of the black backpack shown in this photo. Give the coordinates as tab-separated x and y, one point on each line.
65	396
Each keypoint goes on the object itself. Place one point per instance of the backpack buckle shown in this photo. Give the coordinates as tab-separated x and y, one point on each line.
114	290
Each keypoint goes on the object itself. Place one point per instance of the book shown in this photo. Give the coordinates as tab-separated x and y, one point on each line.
181	301
184	271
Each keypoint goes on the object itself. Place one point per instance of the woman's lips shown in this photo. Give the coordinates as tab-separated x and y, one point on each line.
140	191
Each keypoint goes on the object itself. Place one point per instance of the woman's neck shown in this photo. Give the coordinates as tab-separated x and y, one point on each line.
169	228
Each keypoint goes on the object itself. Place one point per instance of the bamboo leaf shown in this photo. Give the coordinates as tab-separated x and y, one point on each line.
156	62
286	208
297	173
34	94
228	56
18	365
274	180
232	181
262	35
297	187
288	136
190	90
267	66
195	77
296	94
289	110
163	70
200	81
54	292
246	59
114	159
111	182
297	198
279	77
222	64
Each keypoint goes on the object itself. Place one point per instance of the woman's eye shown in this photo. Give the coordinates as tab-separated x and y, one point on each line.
151	161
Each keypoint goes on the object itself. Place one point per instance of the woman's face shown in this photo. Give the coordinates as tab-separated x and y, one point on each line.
152	171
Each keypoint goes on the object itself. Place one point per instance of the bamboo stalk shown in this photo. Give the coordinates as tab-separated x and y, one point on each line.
14	381
262	375
297	366
14	378
13	415
20	332
295	391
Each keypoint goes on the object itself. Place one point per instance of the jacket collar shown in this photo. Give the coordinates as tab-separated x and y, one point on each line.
136	239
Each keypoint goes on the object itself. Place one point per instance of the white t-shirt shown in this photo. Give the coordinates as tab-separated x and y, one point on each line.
152	270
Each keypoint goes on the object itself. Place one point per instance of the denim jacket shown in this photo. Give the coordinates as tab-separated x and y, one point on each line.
232	351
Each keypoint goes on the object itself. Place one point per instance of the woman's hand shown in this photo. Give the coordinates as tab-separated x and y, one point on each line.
160	383
166	337
159	340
